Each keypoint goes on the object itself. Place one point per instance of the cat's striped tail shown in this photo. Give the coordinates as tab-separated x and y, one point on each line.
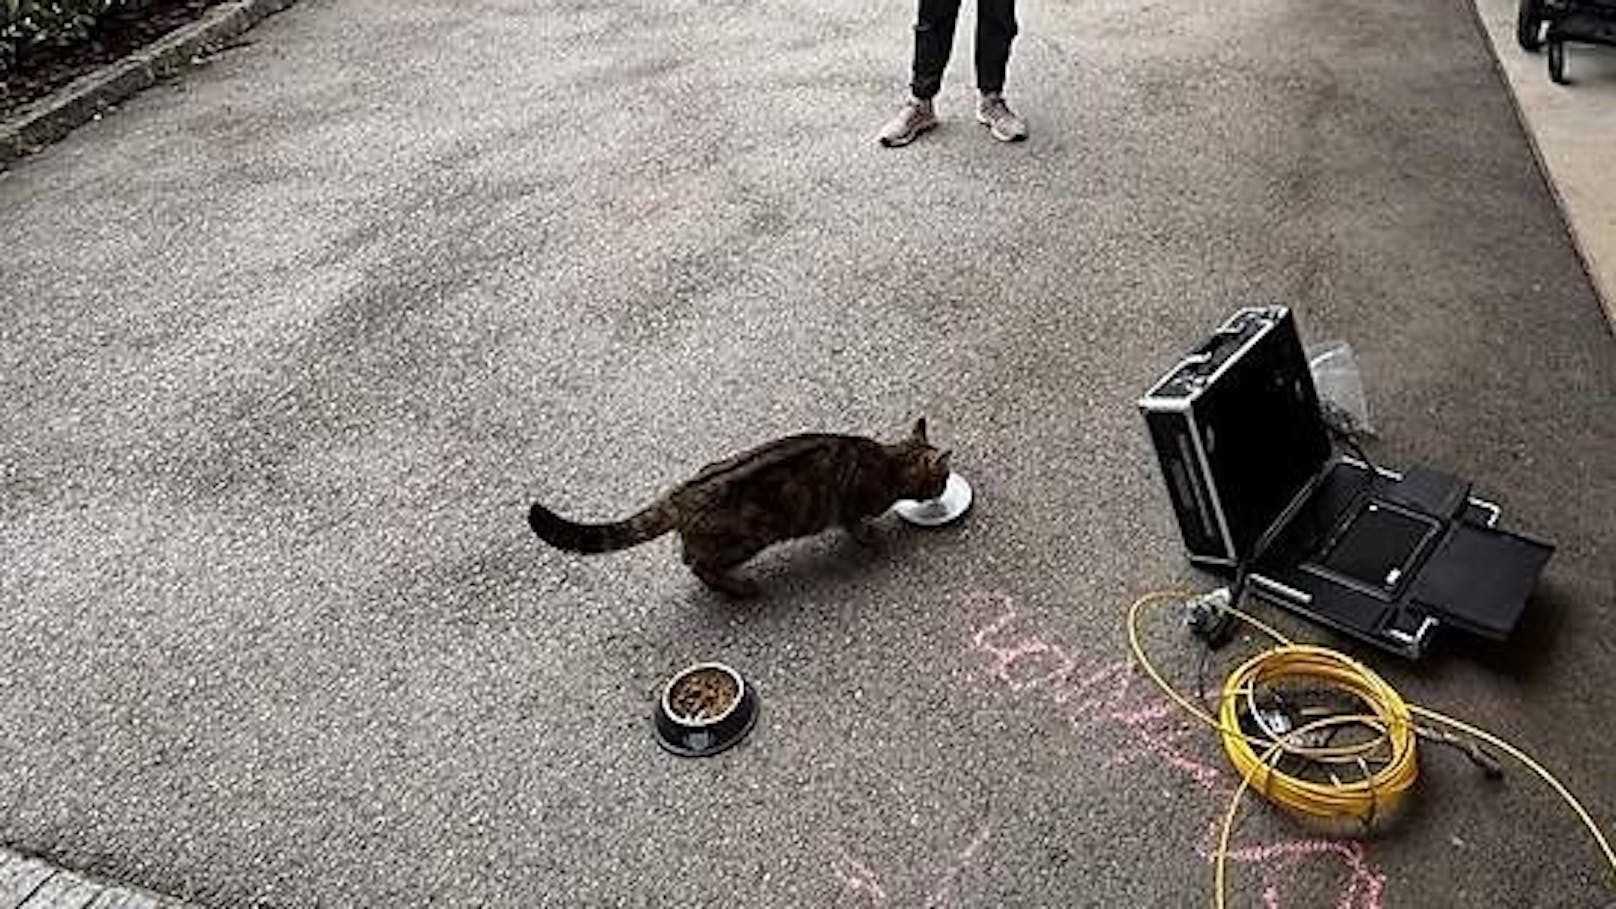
561	533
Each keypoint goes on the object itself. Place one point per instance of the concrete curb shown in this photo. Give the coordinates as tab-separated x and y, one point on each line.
29	883
59	113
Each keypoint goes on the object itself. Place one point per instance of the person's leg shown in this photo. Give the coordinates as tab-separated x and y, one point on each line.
995	30
934	38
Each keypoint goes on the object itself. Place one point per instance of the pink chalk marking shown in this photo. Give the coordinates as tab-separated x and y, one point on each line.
976	844
945	886
1270	894
856	876
1363	888
1145	715
1139	721
1146	720
1096	707
1204	775
1006	657
1159	730
981	635
1056	679
1094	678
993	628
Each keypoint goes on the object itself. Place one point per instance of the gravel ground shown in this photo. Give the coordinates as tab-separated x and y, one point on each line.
288	346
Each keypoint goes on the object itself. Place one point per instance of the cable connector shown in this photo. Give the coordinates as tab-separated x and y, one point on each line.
1481	757
1207	617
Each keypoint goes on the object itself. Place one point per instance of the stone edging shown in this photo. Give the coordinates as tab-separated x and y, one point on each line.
50	118
29	883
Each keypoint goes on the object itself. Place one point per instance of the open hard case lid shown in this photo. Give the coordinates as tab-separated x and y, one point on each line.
1250	471
1237	429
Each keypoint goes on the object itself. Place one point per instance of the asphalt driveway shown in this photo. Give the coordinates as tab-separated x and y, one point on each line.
287	346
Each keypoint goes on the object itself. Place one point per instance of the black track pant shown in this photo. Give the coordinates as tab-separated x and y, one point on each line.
934	37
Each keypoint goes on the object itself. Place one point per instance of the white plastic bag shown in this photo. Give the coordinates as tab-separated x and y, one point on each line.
1340	386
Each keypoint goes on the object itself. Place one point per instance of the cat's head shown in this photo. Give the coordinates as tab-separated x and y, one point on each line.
924	467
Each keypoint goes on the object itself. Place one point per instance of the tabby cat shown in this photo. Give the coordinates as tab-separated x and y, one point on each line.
792	487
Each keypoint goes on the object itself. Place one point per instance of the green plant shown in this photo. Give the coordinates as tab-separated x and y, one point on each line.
28	24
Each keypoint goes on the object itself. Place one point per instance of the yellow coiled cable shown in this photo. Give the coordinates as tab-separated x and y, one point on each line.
1389	716
1362	799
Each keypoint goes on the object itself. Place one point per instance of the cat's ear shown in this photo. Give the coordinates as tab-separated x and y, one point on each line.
939	461
919	432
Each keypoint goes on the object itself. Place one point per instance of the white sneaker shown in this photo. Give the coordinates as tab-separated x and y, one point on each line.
916	117
996	115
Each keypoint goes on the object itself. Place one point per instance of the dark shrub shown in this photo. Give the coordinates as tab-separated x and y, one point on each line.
27	24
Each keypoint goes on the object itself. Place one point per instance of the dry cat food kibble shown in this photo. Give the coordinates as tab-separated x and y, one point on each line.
702	695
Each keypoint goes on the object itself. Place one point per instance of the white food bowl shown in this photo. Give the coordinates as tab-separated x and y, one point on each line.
946	508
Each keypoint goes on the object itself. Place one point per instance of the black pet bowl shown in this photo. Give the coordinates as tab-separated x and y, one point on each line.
704	709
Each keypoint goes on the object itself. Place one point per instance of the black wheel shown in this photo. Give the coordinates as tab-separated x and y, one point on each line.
1529	24
1557	62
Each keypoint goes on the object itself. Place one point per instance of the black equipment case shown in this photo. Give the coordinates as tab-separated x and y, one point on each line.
1250	470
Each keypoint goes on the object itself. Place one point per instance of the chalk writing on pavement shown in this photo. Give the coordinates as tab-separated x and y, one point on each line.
1093	695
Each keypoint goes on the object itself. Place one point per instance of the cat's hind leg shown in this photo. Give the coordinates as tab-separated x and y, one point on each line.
722	581
711	556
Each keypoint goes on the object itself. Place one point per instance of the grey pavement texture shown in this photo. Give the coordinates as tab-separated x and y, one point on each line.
288	346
